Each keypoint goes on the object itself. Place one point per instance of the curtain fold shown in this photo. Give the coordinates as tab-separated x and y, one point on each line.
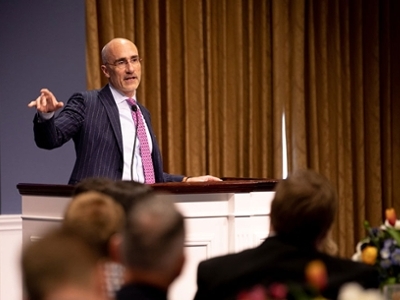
342	126
219	75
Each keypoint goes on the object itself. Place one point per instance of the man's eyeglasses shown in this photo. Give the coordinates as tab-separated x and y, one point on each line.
123	63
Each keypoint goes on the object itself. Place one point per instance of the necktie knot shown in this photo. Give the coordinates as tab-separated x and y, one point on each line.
131	101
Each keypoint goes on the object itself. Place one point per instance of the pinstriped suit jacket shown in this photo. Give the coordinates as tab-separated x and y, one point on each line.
91	119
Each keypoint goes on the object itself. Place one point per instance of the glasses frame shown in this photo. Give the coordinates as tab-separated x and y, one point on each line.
123	63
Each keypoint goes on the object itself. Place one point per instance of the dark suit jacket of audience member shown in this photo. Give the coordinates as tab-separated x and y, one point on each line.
91	119
140	292
275	260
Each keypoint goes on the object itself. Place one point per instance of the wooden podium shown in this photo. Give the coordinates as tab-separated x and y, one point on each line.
220	217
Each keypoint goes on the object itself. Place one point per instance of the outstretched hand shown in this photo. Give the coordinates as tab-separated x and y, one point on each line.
46	102
202	178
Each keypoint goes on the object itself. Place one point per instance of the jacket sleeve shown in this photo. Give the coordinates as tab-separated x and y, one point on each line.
58	130
172	177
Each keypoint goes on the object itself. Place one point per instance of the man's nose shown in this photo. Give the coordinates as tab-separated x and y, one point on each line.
130	68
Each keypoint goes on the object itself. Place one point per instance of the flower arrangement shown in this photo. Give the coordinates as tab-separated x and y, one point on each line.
316	280
381	248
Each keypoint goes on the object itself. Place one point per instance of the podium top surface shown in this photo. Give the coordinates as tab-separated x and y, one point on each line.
228	185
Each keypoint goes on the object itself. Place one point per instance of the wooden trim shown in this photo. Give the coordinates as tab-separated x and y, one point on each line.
228	185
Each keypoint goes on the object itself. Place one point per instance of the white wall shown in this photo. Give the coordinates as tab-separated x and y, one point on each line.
10	251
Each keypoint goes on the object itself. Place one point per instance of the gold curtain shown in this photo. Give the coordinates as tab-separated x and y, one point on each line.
218	75
342	120
206	79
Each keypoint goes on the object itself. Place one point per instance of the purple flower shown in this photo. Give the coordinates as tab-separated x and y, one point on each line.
388	243
386	263
396	257
385	253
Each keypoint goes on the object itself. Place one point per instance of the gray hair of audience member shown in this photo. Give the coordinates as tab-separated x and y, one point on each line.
153	239
122	191
304	207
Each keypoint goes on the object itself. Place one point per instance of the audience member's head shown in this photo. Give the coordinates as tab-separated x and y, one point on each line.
96	217
304	207
153	241
96	184
123	192
61	266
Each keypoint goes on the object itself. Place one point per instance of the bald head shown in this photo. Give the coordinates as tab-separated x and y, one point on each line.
121	65
111	47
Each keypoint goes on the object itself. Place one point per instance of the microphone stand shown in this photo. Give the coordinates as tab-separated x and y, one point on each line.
134	108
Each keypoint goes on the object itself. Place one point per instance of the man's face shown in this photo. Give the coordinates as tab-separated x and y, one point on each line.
123	68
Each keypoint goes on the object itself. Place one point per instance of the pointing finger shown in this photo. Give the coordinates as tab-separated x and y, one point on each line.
32	103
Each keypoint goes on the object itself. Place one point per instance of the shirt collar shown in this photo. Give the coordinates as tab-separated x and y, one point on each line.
118	97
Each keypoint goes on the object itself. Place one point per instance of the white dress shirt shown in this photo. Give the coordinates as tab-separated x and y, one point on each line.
128	138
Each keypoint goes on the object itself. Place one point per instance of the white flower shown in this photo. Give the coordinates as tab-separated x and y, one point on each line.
385	253
357	256
396	226
353	291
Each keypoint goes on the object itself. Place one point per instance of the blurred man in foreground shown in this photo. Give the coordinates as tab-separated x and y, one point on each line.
62	266
302	214
151	248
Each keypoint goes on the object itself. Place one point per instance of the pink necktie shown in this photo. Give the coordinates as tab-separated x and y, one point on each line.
144	148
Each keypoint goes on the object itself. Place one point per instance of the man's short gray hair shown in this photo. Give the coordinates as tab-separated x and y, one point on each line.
104	55
154	235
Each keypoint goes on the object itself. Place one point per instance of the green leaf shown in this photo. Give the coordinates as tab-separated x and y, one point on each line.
394	234
366	225
390	280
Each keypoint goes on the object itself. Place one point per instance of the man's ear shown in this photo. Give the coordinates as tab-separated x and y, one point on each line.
105	71
114	247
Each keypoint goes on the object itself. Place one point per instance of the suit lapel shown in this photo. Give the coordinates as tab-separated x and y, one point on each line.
111	108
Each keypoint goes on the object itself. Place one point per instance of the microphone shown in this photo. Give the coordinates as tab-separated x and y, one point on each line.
134	109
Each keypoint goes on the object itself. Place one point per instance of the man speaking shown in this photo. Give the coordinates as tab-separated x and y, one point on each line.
111	130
